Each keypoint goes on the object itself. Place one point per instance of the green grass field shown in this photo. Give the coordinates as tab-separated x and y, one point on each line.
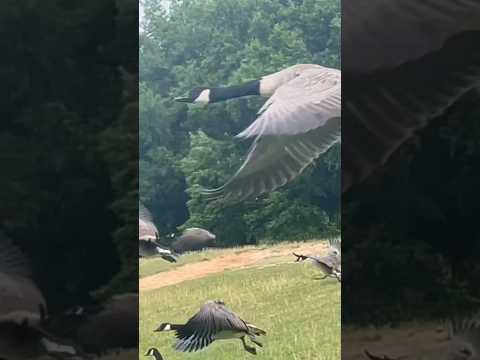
301	315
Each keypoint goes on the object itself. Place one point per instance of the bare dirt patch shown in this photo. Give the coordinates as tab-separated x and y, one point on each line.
237	259
412	340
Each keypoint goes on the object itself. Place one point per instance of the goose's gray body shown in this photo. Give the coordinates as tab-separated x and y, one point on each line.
114	327
148	237
193	239
299	122
403	64
20	298
213	322
23	310
330	264
103	327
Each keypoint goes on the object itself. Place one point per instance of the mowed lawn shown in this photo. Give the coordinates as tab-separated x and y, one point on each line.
300	315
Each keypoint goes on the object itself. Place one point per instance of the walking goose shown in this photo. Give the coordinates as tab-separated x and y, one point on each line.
148	237
23	310
330	264
193	239
299	122
404	62
155	353
213	322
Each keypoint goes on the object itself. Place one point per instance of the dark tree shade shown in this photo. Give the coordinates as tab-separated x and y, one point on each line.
68	143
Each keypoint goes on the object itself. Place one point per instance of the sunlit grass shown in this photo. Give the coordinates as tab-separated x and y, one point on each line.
301	315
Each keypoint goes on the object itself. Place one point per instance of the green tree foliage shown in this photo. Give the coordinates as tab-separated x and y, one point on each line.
221	42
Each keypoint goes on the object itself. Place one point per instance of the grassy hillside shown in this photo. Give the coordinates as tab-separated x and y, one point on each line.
301	315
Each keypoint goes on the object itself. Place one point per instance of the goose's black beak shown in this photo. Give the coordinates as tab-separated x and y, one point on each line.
183	99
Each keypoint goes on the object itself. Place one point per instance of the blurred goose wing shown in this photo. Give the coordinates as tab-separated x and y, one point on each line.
200	330
386	101
146	228
296	125
384	109
383	34
20	298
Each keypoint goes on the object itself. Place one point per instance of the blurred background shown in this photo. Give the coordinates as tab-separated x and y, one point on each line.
69	143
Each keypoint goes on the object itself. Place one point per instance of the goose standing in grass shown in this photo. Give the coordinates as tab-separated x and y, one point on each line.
299	122
213	322
148	237
404	62
193	239
330	264
155	353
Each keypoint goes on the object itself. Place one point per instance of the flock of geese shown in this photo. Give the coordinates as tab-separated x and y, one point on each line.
214	321
404	62
150	244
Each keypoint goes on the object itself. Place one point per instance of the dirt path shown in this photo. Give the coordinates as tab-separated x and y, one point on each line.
410	340
234	260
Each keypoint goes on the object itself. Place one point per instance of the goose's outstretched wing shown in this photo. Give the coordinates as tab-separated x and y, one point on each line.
379	34
201	329
404	62
20	298
297	124
146	228
12	259
382	110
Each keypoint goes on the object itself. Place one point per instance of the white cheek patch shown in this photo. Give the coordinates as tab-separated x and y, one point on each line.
269	84
203	98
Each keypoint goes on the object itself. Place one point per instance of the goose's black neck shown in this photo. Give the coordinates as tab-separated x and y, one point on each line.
231	92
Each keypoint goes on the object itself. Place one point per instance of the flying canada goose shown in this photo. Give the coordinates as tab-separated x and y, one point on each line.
148	237
299	122
102	327
404	62
213	322
155	353
193	239
330	264
23	310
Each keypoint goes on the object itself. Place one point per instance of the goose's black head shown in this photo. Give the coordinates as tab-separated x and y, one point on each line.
198	95
155	353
